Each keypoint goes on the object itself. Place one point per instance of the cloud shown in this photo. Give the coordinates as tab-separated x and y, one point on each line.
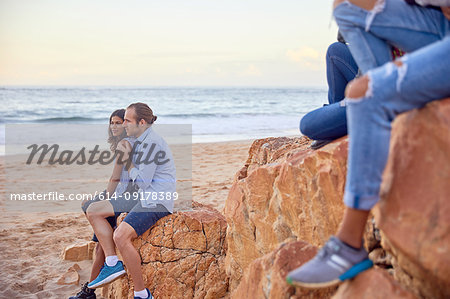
306	57
251	71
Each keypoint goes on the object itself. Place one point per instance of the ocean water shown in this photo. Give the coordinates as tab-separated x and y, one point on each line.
216	114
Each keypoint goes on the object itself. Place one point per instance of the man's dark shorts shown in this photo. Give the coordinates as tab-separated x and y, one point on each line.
140	218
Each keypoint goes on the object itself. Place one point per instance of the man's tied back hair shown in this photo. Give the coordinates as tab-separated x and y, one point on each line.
143	111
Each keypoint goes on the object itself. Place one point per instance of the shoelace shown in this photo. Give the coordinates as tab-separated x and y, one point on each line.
84	290
327	250
323	253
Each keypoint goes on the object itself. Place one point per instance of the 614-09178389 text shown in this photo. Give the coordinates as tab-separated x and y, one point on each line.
59	196
144	195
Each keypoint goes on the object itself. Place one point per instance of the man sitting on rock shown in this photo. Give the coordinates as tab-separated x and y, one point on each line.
373	101
151	167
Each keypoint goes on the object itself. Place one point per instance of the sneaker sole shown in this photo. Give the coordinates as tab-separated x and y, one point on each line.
107	280
316	285
350	273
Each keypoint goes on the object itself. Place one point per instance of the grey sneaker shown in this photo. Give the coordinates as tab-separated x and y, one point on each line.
334	263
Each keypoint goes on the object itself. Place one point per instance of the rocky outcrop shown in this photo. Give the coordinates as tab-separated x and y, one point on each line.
266	276
414	211
79	252
373	284
182	257
284	192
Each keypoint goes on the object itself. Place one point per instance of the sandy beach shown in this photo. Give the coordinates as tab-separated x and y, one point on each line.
31	241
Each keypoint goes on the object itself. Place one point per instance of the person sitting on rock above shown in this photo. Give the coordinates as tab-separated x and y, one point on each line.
328	123
151	167
373	101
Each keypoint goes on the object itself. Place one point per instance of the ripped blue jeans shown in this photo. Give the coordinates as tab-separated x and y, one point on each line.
424	76
391	23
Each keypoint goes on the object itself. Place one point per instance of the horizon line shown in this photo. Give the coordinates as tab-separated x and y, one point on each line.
159	86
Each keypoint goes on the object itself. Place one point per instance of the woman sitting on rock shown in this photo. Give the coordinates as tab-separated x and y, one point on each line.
329	122
119	183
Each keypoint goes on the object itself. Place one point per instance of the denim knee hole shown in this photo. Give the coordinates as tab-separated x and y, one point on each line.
368	92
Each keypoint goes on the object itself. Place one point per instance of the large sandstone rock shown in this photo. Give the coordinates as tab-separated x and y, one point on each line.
372	284
284	192
266	276
79	252
183	256
414	210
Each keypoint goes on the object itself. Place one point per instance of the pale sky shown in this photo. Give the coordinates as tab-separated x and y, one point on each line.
165	42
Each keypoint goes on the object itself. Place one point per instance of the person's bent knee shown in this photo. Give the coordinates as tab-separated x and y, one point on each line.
119	238
92	211
336	49
307	127
100	208
122	236
357	88
303	127
398	62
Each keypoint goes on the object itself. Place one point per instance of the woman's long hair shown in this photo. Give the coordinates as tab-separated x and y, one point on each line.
114	140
